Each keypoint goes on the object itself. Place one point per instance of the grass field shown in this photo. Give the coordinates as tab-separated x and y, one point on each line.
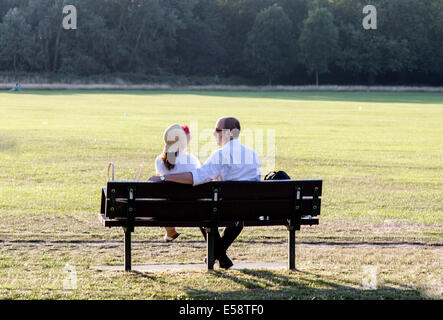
380	156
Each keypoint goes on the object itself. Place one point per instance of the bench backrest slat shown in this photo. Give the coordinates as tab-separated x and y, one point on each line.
239	200
231	189
281	208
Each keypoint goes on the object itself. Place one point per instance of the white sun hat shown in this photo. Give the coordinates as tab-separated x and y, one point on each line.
175	138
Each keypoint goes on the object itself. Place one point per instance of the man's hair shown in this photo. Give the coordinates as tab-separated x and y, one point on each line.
232	124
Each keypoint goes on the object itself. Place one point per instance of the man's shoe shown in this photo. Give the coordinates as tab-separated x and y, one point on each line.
225	262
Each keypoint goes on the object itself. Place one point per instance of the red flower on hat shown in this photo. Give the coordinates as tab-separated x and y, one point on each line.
186	129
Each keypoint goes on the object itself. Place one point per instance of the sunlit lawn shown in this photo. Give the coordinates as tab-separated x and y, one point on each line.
380	156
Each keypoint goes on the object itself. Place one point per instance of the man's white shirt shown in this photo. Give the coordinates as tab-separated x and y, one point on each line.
233	162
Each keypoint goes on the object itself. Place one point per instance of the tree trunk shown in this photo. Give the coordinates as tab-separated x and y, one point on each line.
316	78
137	42
122	15
355	78
48	56
57	49
371	79
401	78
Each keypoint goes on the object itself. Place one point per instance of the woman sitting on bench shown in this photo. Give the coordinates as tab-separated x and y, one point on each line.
175	159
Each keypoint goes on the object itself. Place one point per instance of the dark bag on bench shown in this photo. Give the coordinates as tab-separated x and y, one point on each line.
277	175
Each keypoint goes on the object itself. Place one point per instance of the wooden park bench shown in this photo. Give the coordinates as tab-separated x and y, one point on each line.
289	203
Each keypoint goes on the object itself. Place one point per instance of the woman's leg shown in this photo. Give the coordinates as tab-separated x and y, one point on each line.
171	234
170	231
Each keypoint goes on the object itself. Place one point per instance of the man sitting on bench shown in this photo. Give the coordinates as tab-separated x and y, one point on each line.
232	162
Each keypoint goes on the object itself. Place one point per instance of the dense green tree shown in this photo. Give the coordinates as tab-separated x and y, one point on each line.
16	42
83	49
370	54
297	11
410	20
223	38
201	46
239	17
145	36
45	18
318	41
269	47
436	38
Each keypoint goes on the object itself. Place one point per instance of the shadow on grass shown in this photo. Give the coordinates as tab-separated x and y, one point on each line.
149	276
7	143
361	96
271	285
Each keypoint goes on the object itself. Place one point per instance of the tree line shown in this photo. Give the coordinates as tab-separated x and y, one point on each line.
260	41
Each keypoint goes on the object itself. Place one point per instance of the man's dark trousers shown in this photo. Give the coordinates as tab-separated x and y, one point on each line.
222	243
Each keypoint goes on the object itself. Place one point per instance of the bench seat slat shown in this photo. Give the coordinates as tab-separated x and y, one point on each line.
149	222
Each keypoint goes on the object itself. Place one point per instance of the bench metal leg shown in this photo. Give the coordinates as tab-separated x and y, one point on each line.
127	250
291	248
210	241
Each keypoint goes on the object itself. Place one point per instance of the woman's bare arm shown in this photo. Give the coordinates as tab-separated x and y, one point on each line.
185	178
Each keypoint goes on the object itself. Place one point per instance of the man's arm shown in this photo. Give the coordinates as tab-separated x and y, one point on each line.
185	178
209	171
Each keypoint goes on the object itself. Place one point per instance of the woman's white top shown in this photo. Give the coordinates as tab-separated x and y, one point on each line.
185	162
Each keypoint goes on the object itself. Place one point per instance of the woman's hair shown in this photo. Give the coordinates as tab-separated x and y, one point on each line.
165	158
176	139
